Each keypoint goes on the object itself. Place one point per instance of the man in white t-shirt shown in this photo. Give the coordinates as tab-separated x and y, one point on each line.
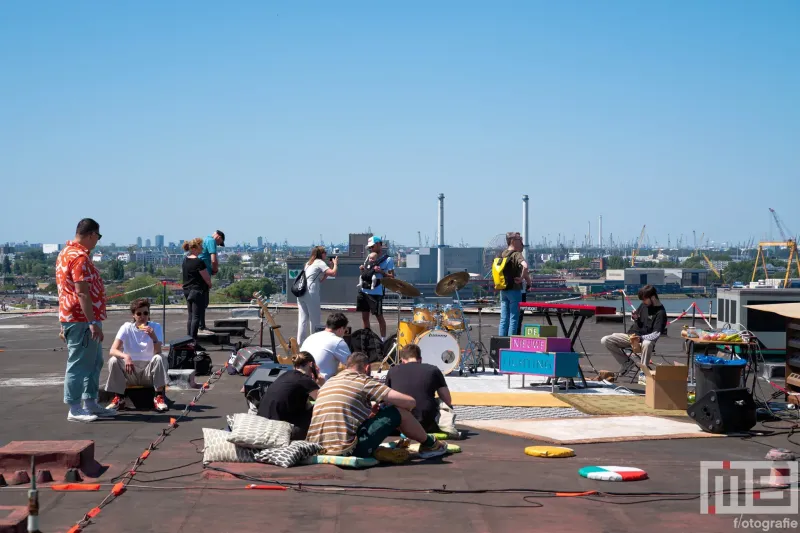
136	358
328	347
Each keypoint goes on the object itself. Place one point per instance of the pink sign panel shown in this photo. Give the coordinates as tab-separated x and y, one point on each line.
541	344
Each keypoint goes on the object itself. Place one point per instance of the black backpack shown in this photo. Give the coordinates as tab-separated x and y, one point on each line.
183	356
369	271
300	285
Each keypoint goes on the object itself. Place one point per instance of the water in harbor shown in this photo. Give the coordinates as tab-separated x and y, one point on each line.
672	305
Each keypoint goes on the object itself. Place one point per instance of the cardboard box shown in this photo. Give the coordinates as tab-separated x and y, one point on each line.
666	386
539	330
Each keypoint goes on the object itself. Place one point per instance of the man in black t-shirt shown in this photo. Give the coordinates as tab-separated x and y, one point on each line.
422	382
287	398
650	322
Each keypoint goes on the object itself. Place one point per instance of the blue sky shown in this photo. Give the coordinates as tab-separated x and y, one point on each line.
295	119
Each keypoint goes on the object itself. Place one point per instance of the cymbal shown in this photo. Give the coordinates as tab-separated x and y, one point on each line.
452	283
400	287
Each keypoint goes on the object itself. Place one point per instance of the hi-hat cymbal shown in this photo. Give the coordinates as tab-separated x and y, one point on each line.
400	287
452	283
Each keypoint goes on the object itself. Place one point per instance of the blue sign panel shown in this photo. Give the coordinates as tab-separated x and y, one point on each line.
561	364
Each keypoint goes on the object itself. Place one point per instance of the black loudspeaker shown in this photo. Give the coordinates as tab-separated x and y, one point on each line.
495	345
262	377
248	356
724	411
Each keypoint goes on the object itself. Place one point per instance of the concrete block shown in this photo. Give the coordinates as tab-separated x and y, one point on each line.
52	454
773	370
230	330
182	379
245	312
13	519
232	323
219	339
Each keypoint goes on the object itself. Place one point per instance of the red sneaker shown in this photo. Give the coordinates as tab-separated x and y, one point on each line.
116	403
160	404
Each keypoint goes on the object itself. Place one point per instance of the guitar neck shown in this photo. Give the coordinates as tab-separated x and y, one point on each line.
275	326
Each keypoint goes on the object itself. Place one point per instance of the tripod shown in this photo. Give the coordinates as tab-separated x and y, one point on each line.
480	349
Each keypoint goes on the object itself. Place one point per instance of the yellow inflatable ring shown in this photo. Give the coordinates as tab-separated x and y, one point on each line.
549	451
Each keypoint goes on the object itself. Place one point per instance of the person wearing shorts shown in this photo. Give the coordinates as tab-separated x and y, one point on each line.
370	299
345	423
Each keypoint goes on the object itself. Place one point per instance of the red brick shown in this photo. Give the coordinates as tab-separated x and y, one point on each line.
13	519
51	454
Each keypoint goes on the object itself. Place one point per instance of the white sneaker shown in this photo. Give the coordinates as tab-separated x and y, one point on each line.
99	412
81	415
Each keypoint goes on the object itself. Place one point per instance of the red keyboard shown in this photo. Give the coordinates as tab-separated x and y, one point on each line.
596	309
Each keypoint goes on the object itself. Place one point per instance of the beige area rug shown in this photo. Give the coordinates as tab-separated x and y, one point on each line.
615	405
592	430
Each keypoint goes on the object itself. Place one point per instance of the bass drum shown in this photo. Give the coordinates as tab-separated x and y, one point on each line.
440	349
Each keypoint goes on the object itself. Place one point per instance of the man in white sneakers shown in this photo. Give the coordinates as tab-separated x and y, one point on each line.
136	358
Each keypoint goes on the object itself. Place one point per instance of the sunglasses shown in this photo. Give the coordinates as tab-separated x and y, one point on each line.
142	313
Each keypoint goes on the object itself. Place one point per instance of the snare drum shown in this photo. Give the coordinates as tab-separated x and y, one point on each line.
407	331
453	318
440	349
424	316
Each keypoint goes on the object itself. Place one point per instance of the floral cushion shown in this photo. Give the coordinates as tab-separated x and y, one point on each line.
289	455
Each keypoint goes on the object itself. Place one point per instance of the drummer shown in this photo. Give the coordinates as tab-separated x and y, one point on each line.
370	296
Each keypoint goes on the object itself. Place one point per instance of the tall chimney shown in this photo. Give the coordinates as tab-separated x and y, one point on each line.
600	232
525	236
589	234
440	243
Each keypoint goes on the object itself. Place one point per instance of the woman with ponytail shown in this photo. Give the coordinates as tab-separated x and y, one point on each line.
309	310
196	286
287	399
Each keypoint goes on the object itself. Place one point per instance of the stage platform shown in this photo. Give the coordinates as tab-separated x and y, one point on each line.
172	492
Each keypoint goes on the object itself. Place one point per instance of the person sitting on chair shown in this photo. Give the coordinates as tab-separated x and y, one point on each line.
328	347
136	358
287	398
650	322
342	421
422	382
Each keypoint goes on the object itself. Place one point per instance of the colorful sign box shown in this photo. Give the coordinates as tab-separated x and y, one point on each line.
540	344
550	364
539	330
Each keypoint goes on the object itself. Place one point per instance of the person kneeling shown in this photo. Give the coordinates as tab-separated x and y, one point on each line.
287	399
136	359
341	420
422	382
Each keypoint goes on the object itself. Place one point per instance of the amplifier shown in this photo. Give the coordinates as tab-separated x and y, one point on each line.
249	355
262	377
495	345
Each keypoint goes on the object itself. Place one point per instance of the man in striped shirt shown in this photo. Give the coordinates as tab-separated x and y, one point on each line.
341	420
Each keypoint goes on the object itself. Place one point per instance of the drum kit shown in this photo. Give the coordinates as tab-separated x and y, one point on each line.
437	329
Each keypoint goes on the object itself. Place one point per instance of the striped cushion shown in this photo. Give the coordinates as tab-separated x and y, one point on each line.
339	460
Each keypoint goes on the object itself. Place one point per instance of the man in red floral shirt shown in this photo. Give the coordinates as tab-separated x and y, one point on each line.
81	311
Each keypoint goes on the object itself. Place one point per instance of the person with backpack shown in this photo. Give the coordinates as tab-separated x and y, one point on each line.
508	272
370	289
309	313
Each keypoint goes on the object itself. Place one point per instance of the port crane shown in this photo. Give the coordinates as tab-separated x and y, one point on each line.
711	266
791	245
786	235
638	245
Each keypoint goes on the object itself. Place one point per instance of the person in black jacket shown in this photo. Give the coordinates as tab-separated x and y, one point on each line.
287	399
649	323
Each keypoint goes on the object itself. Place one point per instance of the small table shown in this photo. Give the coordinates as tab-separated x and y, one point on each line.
690	345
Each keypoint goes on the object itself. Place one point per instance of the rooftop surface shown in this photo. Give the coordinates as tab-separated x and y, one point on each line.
172	491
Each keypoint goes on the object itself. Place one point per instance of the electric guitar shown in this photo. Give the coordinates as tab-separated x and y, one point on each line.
290	347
